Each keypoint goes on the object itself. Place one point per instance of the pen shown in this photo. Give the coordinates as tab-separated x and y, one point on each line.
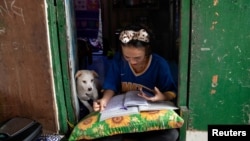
125	108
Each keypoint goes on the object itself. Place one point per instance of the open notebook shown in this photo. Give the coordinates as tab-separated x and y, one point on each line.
130	103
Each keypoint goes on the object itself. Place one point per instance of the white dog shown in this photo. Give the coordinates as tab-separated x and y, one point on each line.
87	87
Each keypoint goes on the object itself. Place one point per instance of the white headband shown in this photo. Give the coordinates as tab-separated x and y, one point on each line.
128	35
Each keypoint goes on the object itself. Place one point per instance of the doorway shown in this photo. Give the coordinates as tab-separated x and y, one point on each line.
98	21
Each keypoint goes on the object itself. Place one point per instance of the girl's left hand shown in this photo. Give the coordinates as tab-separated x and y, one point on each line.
157	97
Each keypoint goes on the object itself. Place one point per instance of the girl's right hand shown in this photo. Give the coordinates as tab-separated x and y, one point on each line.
99	105
96	106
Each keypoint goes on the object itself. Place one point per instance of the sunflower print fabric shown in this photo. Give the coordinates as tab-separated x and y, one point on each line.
91	128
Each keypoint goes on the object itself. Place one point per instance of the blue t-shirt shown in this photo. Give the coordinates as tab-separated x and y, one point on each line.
120	77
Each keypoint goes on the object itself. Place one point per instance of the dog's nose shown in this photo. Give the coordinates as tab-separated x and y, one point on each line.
89	89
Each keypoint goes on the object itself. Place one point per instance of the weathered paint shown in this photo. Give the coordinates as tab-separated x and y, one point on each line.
219	91
184	64
60	60
184	52
72	99
56	63
65	45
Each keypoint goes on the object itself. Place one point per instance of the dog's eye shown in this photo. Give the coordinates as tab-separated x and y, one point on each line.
84	81
92	80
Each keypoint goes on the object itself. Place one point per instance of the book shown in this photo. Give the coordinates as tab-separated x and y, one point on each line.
131	98
130	103
121	105
161	105
119	112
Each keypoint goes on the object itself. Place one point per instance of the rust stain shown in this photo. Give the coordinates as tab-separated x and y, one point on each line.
215	79
216	13
214	83
213	25
216	2
213	91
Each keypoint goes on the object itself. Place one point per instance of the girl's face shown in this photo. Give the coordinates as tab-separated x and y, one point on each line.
134	56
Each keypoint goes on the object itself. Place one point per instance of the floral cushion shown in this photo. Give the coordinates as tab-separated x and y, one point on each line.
91	128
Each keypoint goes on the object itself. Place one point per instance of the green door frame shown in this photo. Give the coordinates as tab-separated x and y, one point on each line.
184	51
60	63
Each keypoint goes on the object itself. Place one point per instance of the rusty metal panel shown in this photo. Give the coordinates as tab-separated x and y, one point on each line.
219	91
25	71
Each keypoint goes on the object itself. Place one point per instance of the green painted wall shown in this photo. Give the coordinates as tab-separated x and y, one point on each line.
219	81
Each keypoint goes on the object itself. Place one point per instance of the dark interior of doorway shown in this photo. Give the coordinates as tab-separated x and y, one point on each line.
162	17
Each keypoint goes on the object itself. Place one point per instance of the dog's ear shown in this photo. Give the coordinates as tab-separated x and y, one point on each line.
95	73
78	73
